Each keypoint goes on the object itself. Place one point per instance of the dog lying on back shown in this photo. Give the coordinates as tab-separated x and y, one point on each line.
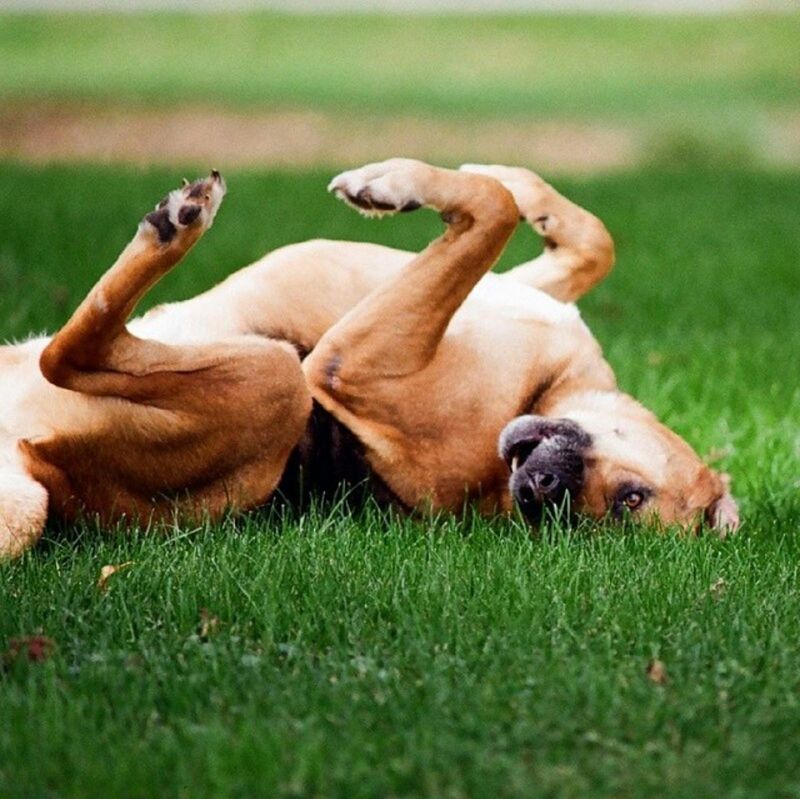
330	362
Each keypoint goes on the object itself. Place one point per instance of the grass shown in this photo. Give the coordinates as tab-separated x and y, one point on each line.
362	654
719	70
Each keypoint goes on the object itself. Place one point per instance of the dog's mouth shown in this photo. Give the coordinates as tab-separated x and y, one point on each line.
546	460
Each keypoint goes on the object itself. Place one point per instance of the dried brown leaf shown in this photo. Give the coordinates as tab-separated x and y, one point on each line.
657	672
33	648
108	571
208	624
718	588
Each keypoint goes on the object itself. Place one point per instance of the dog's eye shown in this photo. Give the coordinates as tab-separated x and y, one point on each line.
631	499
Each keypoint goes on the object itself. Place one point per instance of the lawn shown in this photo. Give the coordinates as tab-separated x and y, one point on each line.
339	653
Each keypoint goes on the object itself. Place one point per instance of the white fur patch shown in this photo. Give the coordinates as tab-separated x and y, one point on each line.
514	300
23	505
173	325
100	302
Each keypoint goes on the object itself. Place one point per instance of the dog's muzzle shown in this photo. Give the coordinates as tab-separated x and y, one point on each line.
546	459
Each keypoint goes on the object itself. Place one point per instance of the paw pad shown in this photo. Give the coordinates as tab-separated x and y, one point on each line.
160	220
376	189
194	203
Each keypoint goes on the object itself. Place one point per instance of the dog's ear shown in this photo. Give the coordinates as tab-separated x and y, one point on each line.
723	514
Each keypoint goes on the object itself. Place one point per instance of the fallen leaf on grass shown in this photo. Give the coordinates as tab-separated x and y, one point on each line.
657	672
718	588
107	571
33	648
208	624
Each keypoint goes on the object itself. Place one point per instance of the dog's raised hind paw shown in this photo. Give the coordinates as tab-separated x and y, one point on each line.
533	196
193	206
380	189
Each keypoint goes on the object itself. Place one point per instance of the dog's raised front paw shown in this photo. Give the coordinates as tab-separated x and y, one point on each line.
378	189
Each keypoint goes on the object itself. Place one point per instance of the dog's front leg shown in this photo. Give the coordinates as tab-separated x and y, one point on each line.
396	330
388	371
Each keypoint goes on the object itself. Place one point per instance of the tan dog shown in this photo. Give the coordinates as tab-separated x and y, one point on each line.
418	366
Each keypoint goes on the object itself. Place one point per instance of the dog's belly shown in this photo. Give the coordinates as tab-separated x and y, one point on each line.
329	463
30	407
510	299
24	393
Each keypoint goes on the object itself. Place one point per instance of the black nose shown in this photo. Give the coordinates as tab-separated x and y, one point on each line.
539	487
545	484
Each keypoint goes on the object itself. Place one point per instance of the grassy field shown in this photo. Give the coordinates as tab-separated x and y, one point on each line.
576	66
358	654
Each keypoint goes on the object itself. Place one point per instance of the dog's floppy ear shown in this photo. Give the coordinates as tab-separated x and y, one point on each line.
723	513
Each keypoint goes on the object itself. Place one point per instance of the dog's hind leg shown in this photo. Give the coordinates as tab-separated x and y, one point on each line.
579	252
94	353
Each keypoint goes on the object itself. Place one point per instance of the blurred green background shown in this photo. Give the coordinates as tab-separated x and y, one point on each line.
574	92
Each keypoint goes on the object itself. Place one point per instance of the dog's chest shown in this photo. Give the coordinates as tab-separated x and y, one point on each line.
513	300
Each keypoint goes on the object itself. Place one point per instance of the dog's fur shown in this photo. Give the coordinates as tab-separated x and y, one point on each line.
345	360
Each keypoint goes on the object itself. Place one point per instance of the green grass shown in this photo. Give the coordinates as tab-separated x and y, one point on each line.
721	70
360	654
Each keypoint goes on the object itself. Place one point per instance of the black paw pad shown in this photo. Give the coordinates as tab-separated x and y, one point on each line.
188	214
161	222
362	200
196	190
379	206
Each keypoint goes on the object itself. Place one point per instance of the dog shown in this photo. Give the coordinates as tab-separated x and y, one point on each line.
425	375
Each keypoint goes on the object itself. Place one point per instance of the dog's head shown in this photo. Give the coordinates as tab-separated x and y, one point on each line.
606	455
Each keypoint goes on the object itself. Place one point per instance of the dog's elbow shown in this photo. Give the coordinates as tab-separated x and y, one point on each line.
497	207
323	369
55	366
